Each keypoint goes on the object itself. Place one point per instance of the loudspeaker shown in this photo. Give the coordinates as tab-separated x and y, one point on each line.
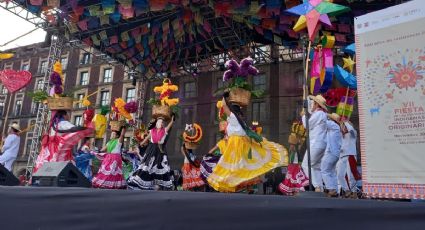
7	178
59	174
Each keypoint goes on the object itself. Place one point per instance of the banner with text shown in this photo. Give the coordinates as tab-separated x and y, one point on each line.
390	47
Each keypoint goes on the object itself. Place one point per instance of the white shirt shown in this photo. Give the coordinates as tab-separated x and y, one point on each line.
334	138
233	126
62	126
317	127
10	151
349	141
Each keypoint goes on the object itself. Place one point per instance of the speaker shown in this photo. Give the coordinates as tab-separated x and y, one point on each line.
59	174
7	178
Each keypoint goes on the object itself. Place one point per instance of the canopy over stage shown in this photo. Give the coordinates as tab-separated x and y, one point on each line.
74	208
164	36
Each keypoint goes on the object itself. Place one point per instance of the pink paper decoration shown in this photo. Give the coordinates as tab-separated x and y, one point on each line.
15	80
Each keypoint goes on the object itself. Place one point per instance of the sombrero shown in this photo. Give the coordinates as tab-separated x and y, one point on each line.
319	99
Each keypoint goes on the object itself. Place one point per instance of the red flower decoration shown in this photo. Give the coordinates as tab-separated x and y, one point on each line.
406	76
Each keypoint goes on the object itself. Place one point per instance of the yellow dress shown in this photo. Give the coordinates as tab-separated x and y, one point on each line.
237	166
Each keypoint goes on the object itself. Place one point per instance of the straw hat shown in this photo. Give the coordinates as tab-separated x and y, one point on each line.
319	99
335	117
15	126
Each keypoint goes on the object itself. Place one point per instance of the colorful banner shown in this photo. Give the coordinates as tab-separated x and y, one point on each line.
391	87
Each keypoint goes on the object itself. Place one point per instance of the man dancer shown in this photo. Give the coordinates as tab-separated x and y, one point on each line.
332	153
317	136
347	164
11	147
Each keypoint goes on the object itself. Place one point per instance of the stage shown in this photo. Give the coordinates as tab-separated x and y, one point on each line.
76	208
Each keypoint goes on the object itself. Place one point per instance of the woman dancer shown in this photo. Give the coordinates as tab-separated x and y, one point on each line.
110	173
246	156
154	172
61	138
83	159
191	171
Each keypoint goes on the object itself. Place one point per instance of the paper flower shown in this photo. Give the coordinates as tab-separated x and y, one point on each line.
55	79
119	105
131	107
195	135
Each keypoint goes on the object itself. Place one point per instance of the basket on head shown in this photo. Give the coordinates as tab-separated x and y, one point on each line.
163	111
191	145
240	96
115	125
60	103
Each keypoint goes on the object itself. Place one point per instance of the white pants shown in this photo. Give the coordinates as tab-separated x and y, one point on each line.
316	158
328	169
345	170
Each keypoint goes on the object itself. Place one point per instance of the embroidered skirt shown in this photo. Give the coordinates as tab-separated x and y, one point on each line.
110	173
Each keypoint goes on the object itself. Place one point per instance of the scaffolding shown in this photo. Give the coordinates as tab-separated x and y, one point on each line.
43	113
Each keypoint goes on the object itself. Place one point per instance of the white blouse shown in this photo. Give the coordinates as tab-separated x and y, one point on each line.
233	126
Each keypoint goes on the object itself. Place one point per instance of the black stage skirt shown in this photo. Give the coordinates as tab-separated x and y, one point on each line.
153	172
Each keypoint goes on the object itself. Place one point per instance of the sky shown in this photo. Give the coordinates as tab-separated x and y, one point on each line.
12	26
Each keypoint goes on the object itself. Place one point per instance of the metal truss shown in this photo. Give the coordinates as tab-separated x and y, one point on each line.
19	11
43	113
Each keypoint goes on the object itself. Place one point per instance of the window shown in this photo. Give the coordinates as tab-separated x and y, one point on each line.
107	75
85	59
84	78
64	62
25	67
39	85
105	98
1	108
131	95
259	82
34	107
78	120
43	67
190	89
4	90
80	98
258	111
18	107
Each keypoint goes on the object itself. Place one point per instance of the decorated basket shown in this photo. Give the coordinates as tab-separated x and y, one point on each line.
240	96
191	145
60	103
115	125
163	111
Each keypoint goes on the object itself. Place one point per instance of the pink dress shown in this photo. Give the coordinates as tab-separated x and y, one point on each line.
110	173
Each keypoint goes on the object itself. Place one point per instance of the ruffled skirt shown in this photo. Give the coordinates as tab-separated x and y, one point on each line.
208	163
110	173
245	160
294	182
191	177
153	171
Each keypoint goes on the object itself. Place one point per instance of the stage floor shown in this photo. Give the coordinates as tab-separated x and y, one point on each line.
77	208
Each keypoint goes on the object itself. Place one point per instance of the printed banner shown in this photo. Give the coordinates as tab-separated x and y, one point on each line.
391	86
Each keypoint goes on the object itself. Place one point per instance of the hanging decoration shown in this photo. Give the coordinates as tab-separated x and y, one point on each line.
15	80
4	56
313	11
322	67
100	121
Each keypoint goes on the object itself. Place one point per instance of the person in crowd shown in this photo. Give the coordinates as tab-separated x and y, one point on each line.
62	136
347	165
154	172
191	170
83	159
317	136
110	173
332	153
246	156
10	149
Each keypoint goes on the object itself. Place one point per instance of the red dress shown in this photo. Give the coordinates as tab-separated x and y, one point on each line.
191	175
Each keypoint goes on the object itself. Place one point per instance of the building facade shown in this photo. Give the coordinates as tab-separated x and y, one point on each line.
275	110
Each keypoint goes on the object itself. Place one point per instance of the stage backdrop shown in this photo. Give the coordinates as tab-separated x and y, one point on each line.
390	47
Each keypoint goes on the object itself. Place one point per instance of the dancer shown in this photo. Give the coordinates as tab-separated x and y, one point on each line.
110	173
154	172
131	160
331	156
61	138
246	156
83	160
10	148
347	165
190	170
210	160
317	136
